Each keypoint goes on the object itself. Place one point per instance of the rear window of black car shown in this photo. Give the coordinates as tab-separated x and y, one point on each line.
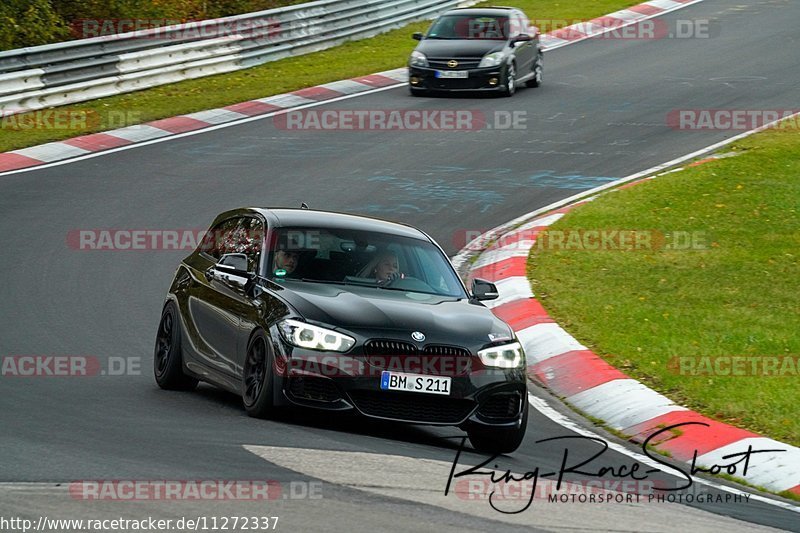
470	27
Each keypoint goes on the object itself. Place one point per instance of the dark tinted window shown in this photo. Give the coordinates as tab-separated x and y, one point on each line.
470	27
235	235
369	259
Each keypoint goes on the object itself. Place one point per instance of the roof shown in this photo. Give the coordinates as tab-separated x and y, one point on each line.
287	217
496	10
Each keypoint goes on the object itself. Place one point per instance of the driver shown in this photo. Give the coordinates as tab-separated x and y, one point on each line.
286	260
290	255
387	269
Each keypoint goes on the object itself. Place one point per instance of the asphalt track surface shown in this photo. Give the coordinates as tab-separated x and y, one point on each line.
600	115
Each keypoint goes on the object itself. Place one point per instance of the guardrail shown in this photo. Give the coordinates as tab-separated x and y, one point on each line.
76	71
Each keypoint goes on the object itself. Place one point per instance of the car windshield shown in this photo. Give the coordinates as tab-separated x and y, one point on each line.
369	259
473	27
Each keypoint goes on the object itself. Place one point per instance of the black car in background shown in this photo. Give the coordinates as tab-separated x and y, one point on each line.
477	49
341	313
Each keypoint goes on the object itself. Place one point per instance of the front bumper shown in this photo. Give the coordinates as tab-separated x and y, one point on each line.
478	79
351	383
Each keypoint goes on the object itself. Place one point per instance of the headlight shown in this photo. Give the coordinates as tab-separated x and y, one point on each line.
491	60
418	59
305	335
505	356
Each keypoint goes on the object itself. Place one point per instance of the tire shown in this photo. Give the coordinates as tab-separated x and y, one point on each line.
257	378
417	92
538	73
511	81
503	440
168	354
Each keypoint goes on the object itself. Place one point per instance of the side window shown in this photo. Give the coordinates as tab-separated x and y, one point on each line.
236	235
248	236
216	240
525	25
514	27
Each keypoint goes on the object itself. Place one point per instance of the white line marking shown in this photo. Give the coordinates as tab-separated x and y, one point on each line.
288	100
543	221
137	133
509	251
622	403
511	289
347	86
51	151
663	4
216	116
541	405
544	341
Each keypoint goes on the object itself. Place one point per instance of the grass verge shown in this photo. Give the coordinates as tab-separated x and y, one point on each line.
358	58
662	315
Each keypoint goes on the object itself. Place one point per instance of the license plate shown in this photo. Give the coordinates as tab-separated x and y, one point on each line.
452	74
415	383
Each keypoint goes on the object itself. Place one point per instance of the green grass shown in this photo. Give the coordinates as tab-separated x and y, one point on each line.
358	58
736	296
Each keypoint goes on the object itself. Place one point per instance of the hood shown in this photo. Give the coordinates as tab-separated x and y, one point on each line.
459	47
373	312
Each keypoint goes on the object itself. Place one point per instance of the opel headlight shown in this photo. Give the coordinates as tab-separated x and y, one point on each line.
418	59
491	60
504	356
304	335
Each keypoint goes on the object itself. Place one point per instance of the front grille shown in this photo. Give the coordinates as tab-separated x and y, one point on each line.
500	406
464	63
392	347
440	349
412	407
389	347
318	389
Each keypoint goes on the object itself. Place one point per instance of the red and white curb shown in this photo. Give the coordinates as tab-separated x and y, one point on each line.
82	146
611	22
588	383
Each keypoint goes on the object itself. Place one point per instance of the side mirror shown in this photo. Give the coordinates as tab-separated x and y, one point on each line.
417	36
230	267
483	290
521	38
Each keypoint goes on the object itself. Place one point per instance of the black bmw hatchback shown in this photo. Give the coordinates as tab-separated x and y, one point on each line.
477	49
341	313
